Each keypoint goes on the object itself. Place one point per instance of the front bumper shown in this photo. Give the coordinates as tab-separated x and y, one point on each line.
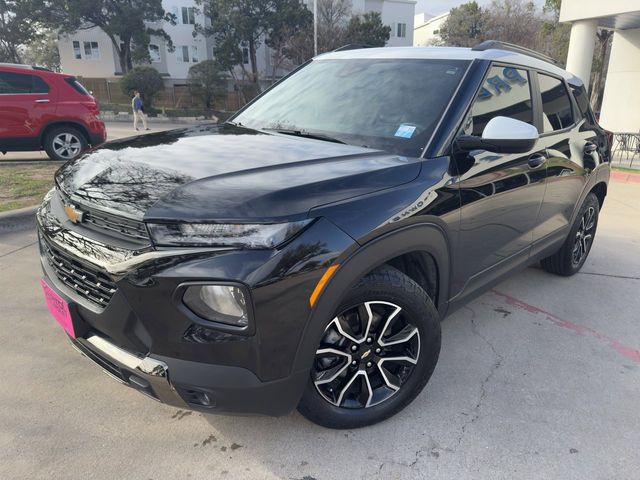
184	384
144	329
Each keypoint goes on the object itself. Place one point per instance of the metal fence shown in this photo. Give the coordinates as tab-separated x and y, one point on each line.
626	149
174	96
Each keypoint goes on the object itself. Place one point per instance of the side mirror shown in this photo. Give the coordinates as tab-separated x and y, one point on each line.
502	135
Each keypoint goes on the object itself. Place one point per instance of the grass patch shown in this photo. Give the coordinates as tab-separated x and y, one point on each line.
626	170
24	185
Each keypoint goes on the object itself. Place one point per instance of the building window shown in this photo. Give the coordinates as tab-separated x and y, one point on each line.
393	30
183	53
194	54
77	54
245	55
401	30
91	51
188	15
154	53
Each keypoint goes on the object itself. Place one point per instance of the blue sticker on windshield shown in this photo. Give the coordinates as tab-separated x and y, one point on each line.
405	131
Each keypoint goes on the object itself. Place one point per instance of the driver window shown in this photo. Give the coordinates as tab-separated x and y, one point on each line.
505	92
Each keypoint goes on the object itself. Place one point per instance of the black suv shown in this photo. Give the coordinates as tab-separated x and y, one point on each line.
304	253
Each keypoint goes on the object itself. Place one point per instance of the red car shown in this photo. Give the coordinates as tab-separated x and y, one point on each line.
43	110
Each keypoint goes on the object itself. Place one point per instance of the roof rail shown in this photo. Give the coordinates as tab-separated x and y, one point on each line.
510	47
352	46
16	65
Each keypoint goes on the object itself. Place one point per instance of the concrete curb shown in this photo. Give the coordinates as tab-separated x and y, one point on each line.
19	219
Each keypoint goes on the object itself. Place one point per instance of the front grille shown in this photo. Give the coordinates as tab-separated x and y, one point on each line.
88	282
115	225
108	223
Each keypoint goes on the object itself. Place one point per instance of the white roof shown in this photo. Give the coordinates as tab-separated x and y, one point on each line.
451	53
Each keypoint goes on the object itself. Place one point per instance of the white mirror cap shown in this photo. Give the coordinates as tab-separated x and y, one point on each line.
505	128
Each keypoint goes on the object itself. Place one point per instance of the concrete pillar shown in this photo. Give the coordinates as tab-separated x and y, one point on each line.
581	45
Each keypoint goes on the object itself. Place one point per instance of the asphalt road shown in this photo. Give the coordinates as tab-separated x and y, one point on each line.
115	130
538	379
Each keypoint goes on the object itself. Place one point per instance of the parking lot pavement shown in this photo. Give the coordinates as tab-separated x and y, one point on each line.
115	130
538	379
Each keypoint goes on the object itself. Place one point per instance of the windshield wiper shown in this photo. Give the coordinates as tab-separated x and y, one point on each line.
304	134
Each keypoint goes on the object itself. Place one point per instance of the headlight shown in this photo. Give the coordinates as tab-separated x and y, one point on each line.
219	303
224	235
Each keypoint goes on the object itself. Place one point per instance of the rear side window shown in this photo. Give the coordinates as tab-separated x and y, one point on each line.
77	86
18	83
582	99
506	93
556	105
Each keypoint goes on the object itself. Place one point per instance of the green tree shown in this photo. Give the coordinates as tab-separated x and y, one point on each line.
368	29
555	35
513	21
145	80
290	19
129	24
17	28
44	52
464	26
206	82
234	24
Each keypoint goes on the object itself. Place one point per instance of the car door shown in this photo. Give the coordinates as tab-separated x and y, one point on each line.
568	138
500	193
25	100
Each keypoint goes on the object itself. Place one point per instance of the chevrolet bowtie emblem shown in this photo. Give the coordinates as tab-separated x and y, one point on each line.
366	354
73	213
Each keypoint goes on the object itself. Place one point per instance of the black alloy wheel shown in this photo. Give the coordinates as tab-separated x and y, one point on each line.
375	355
570	258
367	353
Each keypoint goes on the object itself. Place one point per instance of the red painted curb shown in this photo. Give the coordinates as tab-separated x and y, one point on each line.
625	177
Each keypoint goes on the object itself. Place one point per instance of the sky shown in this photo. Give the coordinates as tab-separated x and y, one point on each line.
436	7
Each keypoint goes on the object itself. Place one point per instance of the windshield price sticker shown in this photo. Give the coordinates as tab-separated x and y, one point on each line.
405	131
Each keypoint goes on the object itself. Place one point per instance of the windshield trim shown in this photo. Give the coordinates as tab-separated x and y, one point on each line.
454	95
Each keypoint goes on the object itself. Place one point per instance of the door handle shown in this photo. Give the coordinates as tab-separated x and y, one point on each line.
536	160
42	100
590	148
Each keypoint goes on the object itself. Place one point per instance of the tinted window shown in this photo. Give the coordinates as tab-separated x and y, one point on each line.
76	85
582	99
505	93
18	83
388	104
556	105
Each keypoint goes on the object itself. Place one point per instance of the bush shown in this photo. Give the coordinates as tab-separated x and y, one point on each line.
146	80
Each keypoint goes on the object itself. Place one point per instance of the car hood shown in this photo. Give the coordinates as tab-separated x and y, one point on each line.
225	173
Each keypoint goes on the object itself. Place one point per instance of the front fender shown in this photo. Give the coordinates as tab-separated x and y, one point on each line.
427	235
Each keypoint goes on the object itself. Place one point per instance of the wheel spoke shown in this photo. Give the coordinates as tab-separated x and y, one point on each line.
400	359
590	218
388	376
402	336
387	323
329	375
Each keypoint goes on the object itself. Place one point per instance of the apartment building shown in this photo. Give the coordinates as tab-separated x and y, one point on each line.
426	30
90	53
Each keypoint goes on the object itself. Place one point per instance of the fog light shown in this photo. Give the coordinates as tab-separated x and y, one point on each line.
218	303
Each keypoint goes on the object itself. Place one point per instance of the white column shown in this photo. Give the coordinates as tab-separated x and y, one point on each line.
581	45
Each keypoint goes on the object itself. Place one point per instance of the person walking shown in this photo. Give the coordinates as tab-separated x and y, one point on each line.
138	111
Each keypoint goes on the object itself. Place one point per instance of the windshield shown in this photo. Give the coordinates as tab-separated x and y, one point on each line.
391	105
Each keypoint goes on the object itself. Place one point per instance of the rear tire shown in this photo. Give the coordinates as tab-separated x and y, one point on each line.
395	345
574	252
65	143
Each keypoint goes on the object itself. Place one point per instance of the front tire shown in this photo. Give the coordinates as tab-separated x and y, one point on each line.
376	354
64	143
574	252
